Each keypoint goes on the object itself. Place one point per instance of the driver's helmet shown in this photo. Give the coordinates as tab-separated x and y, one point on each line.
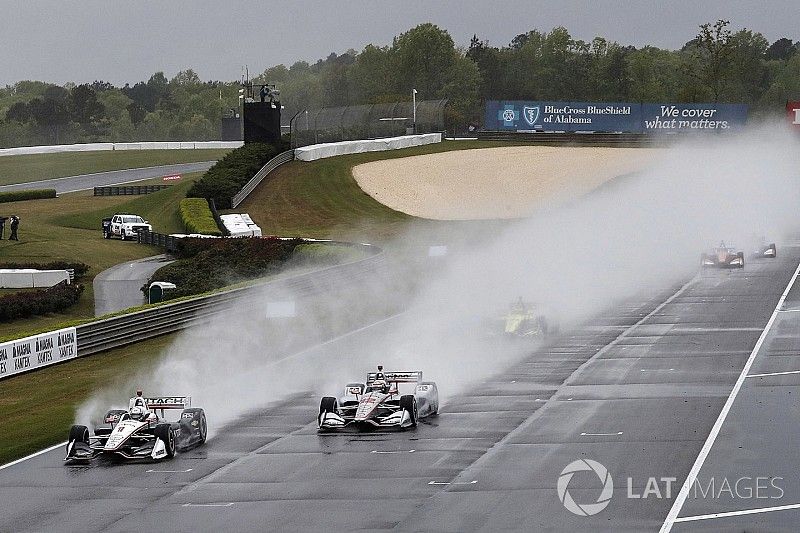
137	413
379	385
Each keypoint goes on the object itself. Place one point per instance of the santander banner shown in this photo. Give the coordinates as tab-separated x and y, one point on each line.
793	110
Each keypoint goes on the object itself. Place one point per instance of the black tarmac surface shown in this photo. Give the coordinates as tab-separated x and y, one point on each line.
637	389
119	287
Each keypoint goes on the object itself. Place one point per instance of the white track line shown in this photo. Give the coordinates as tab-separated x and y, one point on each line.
706	449
738	513
774	374
31	456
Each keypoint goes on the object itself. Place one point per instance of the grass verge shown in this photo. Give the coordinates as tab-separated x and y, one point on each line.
37	409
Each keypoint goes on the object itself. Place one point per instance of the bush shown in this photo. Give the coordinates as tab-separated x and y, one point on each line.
27	194
28	303
79	268
197	217
207	264
222	181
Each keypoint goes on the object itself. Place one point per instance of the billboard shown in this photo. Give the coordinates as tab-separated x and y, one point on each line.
39	350
516	115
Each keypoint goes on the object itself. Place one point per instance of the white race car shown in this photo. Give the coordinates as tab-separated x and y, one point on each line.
380	402
140	433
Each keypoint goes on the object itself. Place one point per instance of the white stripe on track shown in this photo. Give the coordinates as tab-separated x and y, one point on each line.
706	449
31	456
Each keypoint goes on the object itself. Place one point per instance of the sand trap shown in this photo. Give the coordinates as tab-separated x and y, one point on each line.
495	182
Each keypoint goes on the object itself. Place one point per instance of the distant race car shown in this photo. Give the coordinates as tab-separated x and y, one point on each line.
723	257
378	403
139	433
762	250
524	319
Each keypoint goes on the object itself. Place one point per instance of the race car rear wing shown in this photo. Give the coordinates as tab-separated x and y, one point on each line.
397	377
169	402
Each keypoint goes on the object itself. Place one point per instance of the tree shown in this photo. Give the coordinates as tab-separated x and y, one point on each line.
711	49
421	58
83	105
781	50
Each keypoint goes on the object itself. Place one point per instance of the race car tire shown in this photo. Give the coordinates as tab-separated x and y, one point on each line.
165	433
435	399
774	251
79	434
740	255
409	403
188	424
328	405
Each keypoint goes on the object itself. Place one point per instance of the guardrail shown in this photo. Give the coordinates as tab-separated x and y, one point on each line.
123	190
578	139
127	329
168	242
272	164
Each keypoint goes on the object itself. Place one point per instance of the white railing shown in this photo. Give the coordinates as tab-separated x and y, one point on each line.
107	147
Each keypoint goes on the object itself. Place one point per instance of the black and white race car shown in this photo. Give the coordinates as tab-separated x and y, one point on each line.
380	402
723	257
140	433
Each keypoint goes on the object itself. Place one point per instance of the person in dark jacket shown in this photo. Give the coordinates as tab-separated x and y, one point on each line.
14	226
2	225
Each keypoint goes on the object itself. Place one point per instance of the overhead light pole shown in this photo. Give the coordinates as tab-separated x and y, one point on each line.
414	105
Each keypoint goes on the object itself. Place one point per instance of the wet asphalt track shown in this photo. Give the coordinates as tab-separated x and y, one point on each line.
637	389
103	179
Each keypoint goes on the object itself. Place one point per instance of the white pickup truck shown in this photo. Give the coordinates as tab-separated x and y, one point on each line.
124	226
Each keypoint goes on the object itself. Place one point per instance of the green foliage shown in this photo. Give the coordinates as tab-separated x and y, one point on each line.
197	217
208	264
27	194
232	172
718	64
28	303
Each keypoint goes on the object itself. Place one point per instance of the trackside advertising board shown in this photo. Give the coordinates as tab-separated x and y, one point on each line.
515	115
793	111
39	350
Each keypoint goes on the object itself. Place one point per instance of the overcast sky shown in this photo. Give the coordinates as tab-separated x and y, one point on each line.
126	41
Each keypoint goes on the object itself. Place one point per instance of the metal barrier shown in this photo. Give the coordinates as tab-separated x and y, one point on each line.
272	164
127	329
578	139
168	242
128	190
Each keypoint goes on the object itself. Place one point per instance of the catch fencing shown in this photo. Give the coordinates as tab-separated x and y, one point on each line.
373	121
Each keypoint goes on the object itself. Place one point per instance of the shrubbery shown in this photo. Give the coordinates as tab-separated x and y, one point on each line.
28	303
79	268
207	264
222	181
27	194
197	217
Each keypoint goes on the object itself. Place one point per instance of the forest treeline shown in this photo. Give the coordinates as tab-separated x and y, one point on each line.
719	64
